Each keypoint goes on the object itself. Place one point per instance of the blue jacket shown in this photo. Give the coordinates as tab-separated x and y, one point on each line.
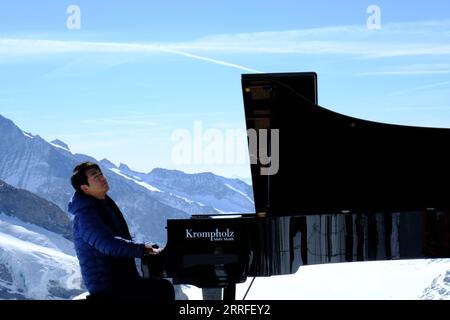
103	243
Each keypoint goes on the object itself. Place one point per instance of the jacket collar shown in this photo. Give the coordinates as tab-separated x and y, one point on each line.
81	200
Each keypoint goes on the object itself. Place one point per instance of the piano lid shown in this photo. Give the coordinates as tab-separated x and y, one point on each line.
306	159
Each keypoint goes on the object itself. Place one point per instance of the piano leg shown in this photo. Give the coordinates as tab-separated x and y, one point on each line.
212	293
229	292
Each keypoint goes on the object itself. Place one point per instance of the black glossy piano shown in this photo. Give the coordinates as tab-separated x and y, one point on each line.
327	187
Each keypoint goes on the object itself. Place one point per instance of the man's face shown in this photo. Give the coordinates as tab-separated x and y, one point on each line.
98	186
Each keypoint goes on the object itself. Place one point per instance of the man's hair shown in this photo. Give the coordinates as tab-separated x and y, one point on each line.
79	174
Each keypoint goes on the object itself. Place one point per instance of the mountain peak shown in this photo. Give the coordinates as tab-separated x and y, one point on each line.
6	125
60	143
162	171
123	166
107	163
3	119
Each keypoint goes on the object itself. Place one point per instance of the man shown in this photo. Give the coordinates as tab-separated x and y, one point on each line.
104	245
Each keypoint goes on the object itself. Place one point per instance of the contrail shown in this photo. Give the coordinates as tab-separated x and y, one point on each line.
224	63
15	47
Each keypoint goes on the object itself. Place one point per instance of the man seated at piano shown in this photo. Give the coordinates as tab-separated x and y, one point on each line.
103	243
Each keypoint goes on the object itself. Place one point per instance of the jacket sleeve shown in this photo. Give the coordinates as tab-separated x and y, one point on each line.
93	231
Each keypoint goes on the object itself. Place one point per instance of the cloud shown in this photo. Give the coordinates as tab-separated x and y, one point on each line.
98	134
80	65
421	88
120	122
414	69
12	48
393	40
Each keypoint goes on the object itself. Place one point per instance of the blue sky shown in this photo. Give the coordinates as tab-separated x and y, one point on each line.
138	72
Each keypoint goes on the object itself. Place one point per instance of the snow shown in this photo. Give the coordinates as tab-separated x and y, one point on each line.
81	296
221	205
11	242
377	280
60	147
439	288
33	265
141	183
193	292
182	198
239	191
231	216
186	199
27	135
34	234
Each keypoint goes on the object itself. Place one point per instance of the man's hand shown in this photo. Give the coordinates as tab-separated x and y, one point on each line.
151	249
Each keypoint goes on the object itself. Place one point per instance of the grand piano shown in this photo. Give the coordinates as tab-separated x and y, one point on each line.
327	187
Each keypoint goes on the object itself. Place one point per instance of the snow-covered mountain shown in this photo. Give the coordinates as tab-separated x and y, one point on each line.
36	259
147	199
36	263
207	190
439	288
28	207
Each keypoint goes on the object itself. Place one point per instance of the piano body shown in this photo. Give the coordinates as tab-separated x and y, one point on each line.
327	187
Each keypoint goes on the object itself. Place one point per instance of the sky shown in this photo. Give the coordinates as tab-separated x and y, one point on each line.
157	83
